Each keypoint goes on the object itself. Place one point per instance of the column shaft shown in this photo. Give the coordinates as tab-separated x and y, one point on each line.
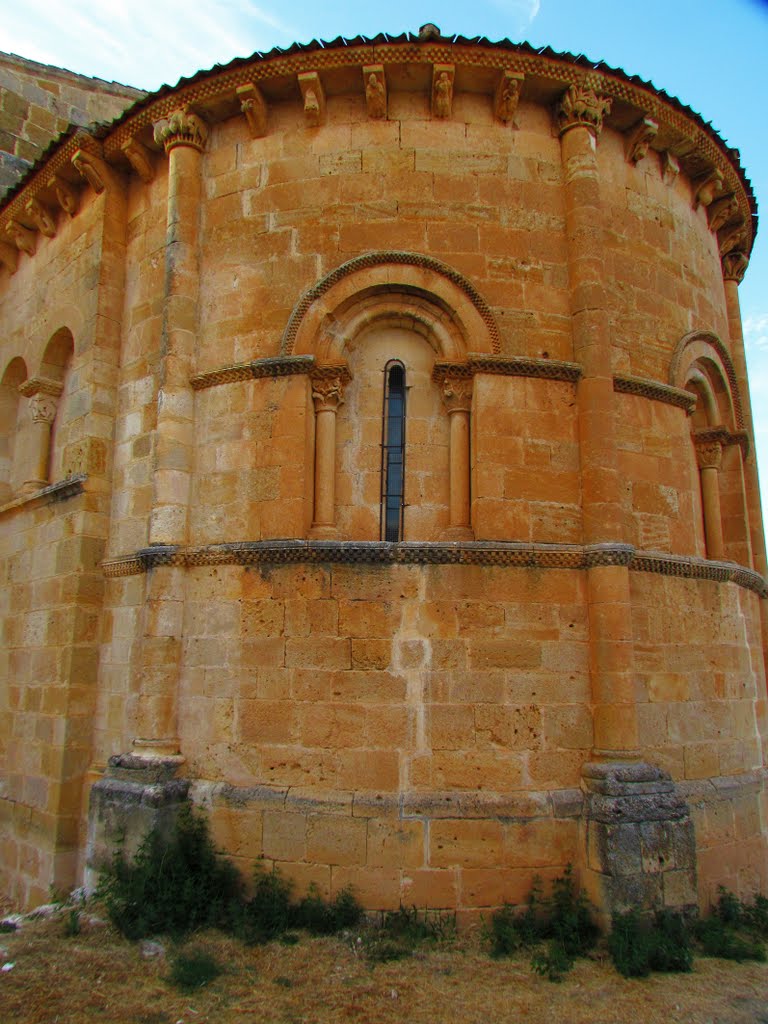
713	523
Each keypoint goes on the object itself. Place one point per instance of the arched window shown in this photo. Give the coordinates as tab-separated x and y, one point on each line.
11	424
393	452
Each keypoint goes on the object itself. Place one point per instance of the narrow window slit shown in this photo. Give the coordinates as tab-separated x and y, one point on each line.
393	452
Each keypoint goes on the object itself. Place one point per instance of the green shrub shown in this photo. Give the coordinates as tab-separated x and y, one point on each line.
717	938
639	945
319	917
756	915
571	924
190	971
269	913
173	885
552	962
72	925
402	931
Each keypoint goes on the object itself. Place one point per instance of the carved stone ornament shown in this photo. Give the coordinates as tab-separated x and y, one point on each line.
66	194
640	138
41	386
327	392
375	91
138	156
721	211
442	89
42	408
670	167
732	238
708	188
507	96
735	266
40	214
9	257
24	239
254	106
182	128
581	106
92	169
709	454
457	394
314	98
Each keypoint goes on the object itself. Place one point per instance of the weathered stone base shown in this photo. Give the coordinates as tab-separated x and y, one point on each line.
639	842
135	795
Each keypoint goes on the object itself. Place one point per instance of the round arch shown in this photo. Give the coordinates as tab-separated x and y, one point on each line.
392	287
701	355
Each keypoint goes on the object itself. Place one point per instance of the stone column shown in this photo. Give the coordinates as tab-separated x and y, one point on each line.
43	398
328	395
183	136
457	395
580	117
709	454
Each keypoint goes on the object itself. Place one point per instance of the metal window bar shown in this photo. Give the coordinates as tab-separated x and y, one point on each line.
393	453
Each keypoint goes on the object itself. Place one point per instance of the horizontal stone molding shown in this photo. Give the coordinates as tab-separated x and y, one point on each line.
655	390
277	366
698	792
59	491
508	366
511	554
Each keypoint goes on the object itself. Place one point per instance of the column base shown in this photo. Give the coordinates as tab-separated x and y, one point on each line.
135	795
320	531
638	840
164	747
457	533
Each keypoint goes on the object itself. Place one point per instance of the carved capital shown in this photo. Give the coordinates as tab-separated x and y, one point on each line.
92	168
24	239
507	96
735	266
581	106
314	98
670	167
375	90
182	128
709	453
42	218
640	138
442	89
42	408
327	393
732	238
9	257
457	394
66	194
254	107
721	211
708	187
140	159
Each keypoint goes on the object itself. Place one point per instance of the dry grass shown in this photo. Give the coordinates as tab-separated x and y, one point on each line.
98	976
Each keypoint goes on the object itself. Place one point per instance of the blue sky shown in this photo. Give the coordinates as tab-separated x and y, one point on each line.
711	56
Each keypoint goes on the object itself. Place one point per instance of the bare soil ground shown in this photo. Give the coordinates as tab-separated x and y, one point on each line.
99	976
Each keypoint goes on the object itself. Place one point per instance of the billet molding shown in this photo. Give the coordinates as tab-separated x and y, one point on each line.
277	366
51	493
504	554
628	384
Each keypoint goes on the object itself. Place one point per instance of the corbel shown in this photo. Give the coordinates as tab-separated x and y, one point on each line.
92	168
254	106
140	159
721	211
732	237
24	239
375	83
507	96
9	257
708	188
670	167
66	195
443	76
41	217
639	139
314	97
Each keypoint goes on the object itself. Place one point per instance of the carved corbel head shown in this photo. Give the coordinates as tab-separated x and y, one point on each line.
670	167
92	168
9	257
721	211
313	95
442	89
254	107
708	188
140	159
66	194
42	218
24	239
375	84
732	238
507	96
640	138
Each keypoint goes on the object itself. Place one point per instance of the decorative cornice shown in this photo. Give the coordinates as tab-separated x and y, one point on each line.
655	390
278	366
523	366
511	554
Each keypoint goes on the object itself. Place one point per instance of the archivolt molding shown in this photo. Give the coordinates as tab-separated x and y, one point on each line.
708	345
377	273
278	366
506	554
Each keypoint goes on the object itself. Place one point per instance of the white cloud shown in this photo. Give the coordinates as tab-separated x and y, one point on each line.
755	329
520	12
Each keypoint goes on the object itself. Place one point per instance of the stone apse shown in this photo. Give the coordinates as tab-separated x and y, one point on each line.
377	473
